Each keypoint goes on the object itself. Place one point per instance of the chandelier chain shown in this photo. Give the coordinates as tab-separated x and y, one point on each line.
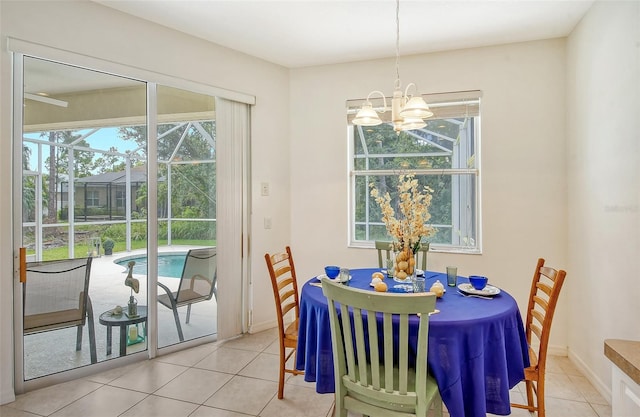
398	84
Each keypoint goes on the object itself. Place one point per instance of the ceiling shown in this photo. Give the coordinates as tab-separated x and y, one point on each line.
299	33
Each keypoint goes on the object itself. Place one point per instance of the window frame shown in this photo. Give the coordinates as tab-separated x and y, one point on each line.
459	245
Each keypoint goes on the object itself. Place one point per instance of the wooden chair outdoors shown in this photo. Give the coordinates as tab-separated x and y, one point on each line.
197	283
56	296
285	292
545	289
385	247
376	384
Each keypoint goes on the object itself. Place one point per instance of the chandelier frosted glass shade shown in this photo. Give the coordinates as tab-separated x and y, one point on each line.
367	116
412	123
417	108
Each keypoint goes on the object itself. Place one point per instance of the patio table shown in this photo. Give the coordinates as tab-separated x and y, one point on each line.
122	321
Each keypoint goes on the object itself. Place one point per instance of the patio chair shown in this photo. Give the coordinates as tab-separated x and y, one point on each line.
385	246
56	296
197	283
285	292
375	377
545	290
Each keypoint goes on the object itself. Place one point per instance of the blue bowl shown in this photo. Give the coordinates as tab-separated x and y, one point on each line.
478	282
332	271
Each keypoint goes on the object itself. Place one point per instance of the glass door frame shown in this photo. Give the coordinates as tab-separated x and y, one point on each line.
20	49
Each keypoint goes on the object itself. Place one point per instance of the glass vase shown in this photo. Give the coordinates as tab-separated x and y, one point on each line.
405	266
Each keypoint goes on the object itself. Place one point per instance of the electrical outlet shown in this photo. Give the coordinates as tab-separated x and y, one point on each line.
264	189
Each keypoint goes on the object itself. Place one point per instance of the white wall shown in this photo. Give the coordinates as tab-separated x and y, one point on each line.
523	156
603	158
87	28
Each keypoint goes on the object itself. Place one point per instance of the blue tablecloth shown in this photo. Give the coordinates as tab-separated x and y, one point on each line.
477	347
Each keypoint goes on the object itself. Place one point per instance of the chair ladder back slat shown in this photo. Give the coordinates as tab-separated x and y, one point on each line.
374	354
337	338
286	296
283	282
403	353
282	270
545	288
348	342
361	352
422	349
388	353
544	304
279	257
537	330
548	272
538	316
287	308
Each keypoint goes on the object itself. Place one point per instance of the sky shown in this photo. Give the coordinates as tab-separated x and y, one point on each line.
103	139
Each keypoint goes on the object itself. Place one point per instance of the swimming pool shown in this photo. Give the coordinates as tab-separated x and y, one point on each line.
169	264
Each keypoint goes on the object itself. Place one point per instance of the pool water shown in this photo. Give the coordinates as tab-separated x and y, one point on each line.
168	265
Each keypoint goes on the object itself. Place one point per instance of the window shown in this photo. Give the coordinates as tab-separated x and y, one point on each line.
121	199
93	198
443	155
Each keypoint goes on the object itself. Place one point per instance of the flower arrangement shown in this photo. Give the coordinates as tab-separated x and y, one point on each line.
408	229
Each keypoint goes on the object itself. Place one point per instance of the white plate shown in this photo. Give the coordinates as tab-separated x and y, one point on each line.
336	279
489	290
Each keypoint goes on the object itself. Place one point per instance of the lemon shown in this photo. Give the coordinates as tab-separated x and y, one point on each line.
377	275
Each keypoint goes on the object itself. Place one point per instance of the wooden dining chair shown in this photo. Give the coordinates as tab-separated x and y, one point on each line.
545	289
384	247
374	377
285	293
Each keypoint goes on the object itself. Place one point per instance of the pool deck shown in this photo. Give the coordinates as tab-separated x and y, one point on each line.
107	290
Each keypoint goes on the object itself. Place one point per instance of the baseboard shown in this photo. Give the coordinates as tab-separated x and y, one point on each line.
7	395
557	350
597	383
265	325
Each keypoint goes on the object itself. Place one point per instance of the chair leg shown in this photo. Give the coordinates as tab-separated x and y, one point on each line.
540	397
529	388
188	313
92	332
79	338
177	318
437	404
282	366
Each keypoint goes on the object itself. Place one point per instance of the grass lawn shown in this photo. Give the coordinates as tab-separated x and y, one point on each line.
62	252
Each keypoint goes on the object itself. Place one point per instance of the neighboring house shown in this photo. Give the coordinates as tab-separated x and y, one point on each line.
103	196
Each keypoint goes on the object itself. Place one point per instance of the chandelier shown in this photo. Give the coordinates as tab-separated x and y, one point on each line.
407	112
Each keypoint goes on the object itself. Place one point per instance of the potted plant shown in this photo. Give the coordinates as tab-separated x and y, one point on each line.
108	245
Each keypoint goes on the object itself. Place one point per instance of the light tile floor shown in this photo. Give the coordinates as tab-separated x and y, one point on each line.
238	378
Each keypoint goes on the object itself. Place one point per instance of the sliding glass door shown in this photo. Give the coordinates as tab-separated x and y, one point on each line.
81	192
133	194
186	162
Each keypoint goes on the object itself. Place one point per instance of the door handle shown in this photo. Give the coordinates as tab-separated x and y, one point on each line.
23	265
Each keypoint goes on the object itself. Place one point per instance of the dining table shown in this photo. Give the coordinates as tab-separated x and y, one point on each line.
477	348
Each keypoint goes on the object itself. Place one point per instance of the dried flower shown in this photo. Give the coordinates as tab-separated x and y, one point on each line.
411	227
